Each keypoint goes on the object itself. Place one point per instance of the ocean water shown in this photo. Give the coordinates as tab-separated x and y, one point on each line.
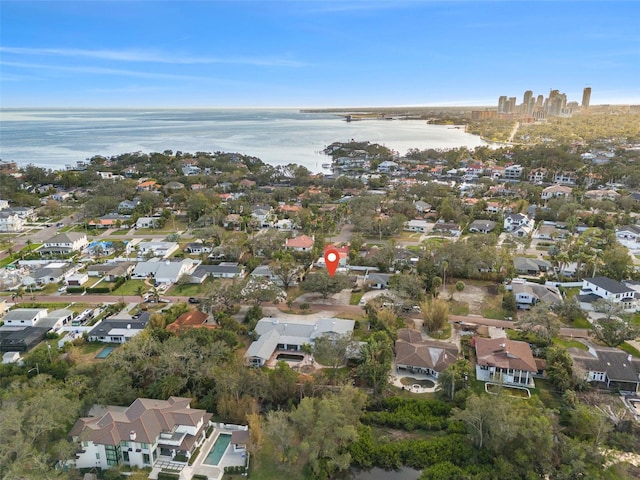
53	138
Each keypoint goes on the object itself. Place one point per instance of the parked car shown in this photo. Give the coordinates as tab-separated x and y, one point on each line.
194	300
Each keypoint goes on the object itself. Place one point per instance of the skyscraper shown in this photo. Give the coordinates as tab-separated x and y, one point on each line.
502	104
586	97
527	102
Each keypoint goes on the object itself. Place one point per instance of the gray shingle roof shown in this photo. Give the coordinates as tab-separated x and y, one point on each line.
608	284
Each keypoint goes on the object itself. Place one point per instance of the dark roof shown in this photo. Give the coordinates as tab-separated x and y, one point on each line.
608	284
22	340
619	366
105	326
483	224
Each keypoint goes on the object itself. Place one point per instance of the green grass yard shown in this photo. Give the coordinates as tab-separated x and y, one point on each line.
130	288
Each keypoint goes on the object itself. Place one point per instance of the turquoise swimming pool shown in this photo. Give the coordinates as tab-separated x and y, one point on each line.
105	352
218	449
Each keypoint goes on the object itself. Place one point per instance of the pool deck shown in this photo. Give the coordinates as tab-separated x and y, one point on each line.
230	458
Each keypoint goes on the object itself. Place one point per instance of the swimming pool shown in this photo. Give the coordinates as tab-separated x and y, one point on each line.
105	352
218	449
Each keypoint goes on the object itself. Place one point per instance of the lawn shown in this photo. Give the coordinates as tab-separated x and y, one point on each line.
580	323
355	298
458	308
544	391
191	289
508	389
130	288
494	310
630	349
566	343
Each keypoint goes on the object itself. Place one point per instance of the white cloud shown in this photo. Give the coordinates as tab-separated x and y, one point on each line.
151	56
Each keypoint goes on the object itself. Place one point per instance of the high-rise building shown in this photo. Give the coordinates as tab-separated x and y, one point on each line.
586	97
511	104
502	104
540	101
527	102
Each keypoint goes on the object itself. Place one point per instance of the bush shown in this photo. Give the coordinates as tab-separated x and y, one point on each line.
99	290
75	289
234	469
168	476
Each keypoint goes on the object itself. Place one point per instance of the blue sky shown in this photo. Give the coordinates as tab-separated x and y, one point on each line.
314	53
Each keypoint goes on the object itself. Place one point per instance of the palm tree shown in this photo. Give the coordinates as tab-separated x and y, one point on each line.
18	293
445	265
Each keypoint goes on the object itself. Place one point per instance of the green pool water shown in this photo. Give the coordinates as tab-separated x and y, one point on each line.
218	449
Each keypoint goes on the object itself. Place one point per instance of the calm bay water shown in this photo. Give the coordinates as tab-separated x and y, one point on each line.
53	138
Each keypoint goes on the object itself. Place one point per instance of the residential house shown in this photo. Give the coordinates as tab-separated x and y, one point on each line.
284	224
4	204
65	243
287	336
596	288
128	206
512	172
19	318
190	319
378	281
565	178
422	207
504	361
174	186
147	186
232	221
264	271
343	255
190	169
518	224
420	226
528	294
113	330
628	235
76	279
164	271
530	266
555	191
25	213
146	432
148	222
608	366
197	248
417	355
537	175
22	339
111	270
263	214
10	222
157	249
602	194
57	319
482	226
387	166
301	243
50	273
447	228
223	270
548	231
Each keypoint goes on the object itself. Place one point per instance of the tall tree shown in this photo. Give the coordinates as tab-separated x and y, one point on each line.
376	356
541	321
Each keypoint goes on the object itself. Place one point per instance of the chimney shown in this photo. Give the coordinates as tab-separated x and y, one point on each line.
132	435
629	358
503	345
128	326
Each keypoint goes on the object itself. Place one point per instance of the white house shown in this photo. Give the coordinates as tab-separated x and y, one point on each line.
148	222
528	294
164	271
10	222
516	221
50	273
420	226
140	435
24	317
555	191
597	288
64	243
512	172
504	361
157	249
290	334
118	331
628	235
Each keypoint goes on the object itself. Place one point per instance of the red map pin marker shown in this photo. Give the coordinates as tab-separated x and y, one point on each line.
331	259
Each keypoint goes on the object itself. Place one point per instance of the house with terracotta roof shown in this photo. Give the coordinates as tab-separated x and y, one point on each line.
147	186
191	319
146	432
301	243
417	355
504	361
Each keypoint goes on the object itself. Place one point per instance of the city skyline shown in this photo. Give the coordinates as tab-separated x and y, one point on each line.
313	54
